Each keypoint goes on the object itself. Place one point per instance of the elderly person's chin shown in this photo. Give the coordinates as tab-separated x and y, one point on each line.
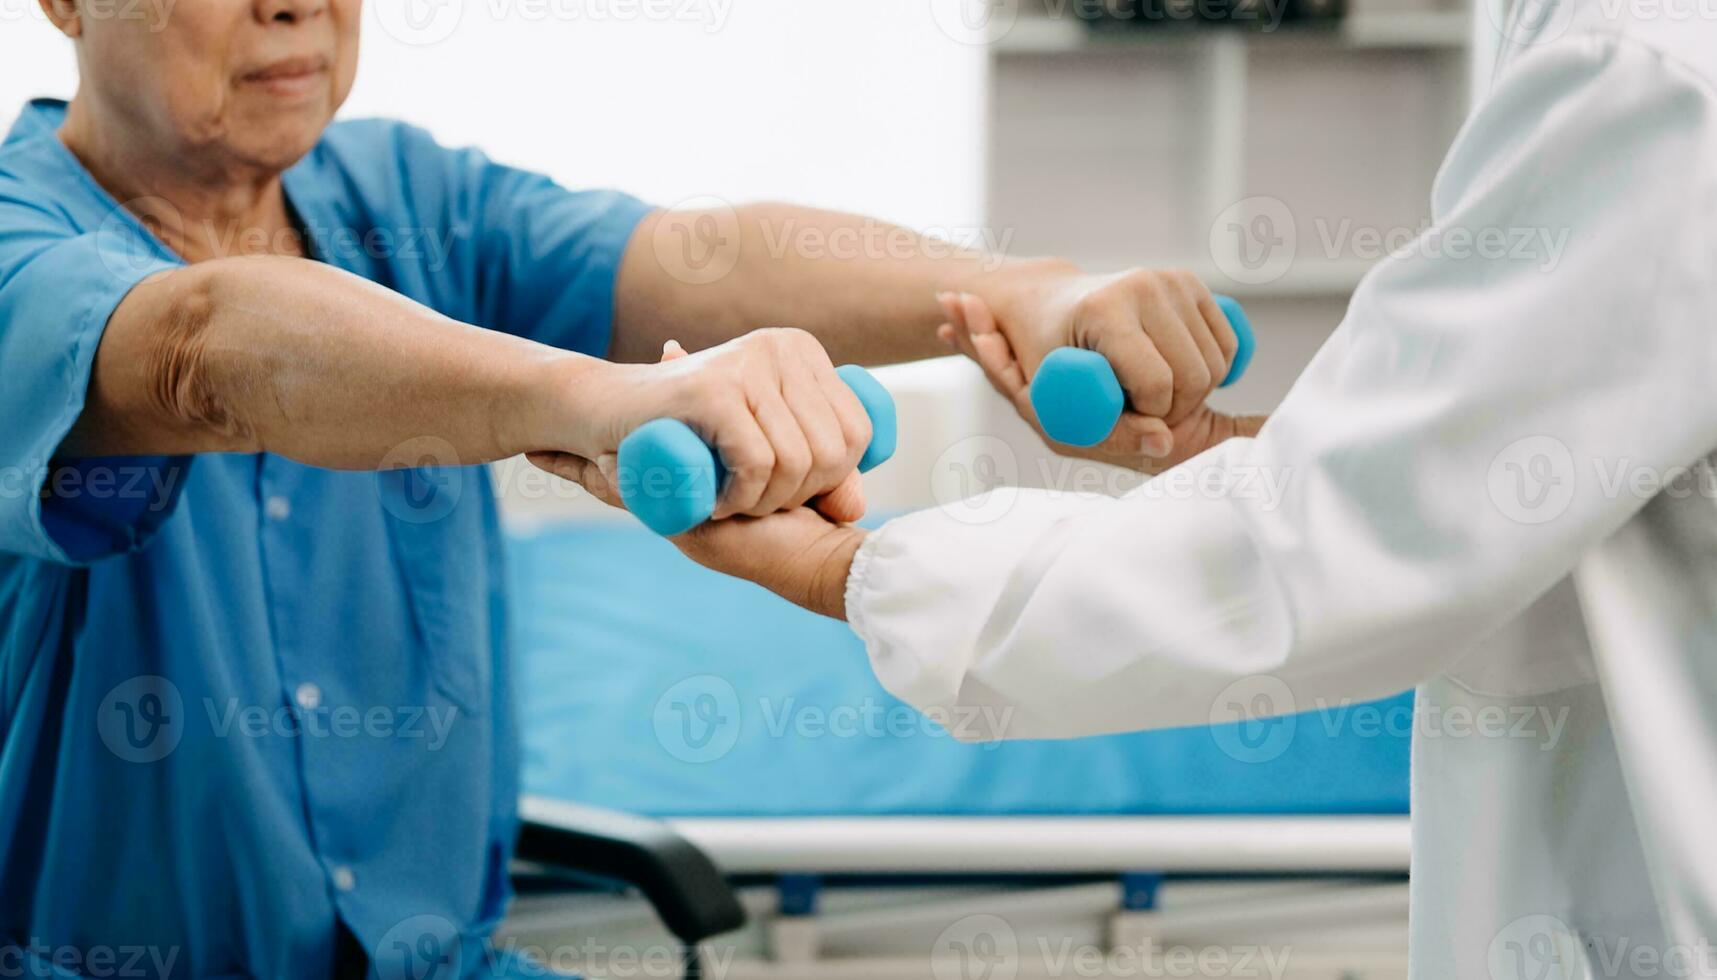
272	120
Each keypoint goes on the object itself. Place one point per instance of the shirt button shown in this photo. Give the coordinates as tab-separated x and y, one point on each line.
308	696
344	880
277	508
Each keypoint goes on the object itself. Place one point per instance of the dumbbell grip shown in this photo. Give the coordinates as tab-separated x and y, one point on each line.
1078	398
670	479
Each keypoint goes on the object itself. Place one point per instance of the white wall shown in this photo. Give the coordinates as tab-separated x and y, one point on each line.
859	105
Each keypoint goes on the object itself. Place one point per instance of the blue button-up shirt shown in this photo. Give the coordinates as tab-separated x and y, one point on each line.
245	701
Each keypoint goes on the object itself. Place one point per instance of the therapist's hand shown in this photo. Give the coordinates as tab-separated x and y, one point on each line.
972	330
1169	342
797	554
788	428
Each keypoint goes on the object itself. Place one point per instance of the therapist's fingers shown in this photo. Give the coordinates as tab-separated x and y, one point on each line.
845	503
990	347
1138	435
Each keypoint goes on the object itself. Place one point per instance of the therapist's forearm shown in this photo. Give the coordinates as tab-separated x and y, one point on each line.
299	359
865	288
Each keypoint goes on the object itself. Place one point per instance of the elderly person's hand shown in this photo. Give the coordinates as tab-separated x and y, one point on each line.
1169	343
787	428
972	330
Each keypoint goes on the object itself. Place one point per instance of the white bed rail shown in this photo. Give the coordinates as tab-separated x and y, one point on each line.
1052	845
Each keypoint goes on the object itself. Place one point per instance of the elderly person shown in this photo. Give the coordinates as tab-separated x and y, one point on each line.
232	335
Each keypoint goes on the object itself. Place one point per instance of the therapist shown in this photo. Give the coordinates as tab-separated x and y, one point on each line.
254	701
1497	485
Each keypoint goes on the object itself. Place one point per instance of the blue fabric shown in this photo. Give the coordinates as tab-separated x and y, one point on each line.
242	699
651	685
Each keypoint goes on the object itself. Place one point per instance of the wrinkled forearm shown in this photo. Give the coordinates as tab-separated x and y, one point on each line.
295	358
865	288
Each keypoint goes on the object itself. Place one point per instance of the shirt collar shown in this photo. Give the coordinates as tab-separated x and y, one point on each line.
39	116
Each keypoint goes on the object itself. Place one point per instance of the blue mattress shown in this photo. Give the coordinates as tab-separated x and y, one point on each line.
650	685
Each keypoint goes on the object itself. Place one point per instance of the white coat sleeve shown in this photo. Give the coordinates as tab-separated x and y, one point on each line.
1446	458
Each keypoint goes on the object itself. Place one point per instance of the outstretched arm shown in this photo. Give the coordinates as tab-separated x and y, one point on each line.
1446	459
869	291
296	358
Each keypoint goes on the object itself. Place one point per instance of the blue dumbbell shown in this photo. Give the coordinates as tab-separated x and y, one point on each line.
1079	400
670	479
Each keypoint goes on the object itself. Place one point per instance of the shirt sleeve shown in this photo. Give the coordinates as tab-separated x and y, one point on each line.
58	289
1448	456
544	258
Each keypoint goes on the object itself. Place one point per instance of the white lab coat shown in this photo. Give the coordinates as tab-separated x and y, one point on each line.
1467	505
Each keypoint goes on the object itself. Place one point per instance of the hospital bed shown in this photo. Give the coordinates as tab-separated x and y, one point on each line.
864	842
